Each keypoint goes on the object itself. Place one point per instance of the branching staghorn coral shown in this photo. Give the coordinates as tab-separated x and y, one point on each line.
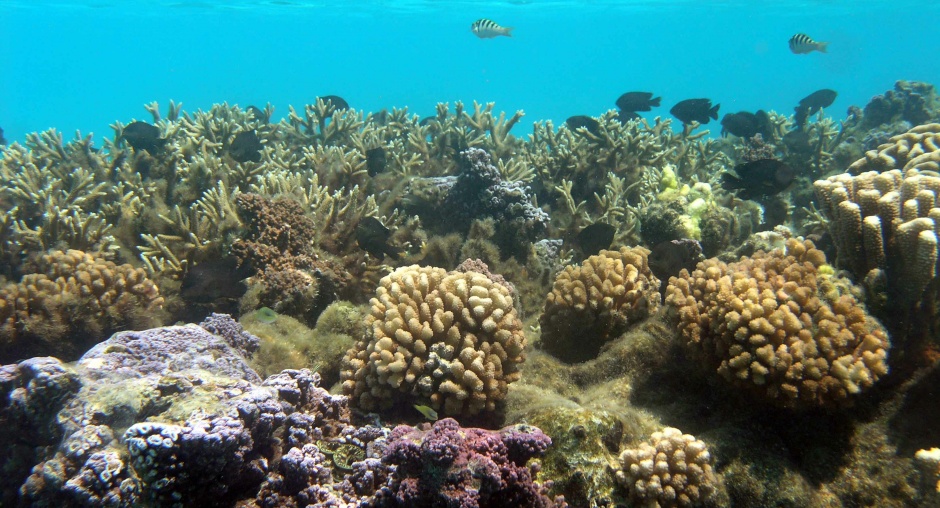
608	176
57	194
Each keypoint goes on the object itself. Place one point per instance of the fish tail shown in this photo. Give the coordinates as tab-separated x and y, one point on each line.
822	46
714	112
655	101
507	31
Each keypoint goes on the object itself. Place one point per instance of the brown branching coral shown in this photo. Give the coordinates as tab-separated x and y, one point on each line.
72	301
450	340
918	148
278	234
597	301
778	326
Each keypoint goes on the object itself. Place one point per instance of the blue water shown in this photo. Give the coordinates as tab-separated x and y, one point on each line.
83	64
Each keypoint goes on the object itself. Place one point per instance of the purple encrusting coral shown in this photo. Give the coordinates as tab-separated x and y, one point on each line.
203	430
456	467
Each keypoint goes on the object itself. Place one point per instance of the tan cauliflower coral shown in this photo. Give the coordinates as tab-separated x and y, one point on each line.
595	302
450	340
777	325
672	469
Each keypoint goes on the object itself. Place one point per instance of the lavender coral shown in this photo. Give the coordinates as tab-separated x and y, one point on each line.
481	192
447	465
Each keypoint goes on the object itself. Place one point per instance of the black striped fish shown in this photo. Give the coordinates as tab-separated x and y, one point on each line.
802	44
487	29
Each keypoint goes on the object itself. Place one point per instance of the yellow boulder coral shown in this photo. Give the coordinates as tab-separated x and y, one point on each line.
774	325
450	340
595	302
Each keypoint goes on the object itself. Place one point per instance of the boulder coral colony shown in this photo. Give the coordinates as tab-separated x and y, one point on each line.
802	353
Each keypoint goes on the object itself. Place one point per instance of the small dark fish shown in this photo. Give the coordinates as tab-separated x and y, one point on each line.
760	178
336	102
380	118
742	124
638	101
211	281
143	136
578	121
2	140
428	120
487	29
375	160
246	147
626	116
595	238
745	124
697	110
257	114
812	103
373	236
802	44
668	258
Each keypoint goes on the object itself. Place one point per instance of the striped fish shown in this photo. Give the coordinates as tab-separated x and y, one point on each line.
802	44
487	29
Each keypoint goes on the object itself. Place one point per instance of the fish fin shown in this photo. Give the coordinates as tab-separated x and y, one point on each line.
822	47
714	112
654	102
507	30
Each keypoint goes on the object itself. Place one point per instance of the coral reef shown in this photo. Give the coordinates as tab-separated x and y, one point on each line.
597	301
918	148
672	469
778	325
70	302
450	466
450	340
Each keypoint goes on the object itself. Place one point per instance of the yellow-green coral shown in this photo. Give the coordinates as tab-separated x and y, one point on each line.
450	340
595	302
773	325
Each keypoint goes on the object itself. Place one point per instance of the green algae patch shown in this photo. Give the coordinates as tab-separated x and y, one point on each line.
287	343
585	445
